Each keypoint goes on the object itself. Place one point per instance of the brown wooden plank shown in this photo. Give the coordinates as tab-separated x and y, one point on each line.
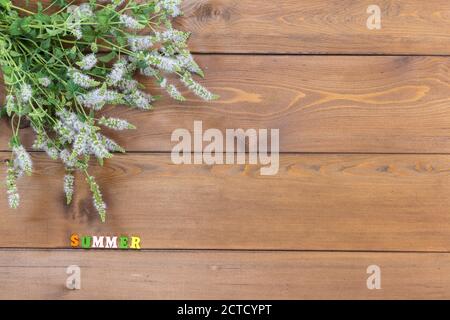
317	26
316	202
26	274
319	103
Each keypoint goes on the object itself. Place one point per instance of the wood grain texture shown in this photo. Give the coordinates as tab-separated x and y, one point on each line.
319	103
412	27
222	275
316	202
317	26
265	230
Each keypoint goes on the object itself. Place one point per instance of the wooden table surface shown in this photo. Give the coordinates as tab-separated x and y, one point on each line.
364	178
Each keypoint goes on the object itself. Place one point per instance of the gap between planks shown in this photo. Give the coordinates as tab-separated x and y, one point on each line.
331	153
205	250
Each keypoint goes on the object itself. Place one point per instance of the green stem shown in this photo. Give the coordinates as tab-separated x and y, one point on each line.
22	9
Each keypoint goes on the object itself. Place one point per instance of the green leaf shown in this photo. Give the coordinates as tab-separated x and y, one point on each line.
5	4
14	54
88	34
3	112
46	44
25	25
121	40
7	70
72	54
61	3
14	28
103	17
58	52
53	32
108	57
94	47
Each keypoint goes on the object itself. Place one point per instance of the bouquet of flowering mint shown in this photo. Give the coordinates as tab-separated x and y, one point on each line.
60	68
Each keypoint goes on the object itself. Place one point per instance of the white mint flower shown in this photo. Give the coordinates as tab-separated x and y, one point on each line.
164	63
25	92
127	85
99	204
177	36
131	67
13	198
68	187
107	48
11	186
52	152
10	104
149	72
44	81
185	60
85	11
66	158
117	3
77	15
171	90
95	145
115	123
172	6
139	43
117	72
80	144
71	9
174	93
22	160
197	88
70	121
88	62
87	142
139	99
44	144
97	98
130	23
82	80
65	133
75	29
40	136
112	146
82	11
